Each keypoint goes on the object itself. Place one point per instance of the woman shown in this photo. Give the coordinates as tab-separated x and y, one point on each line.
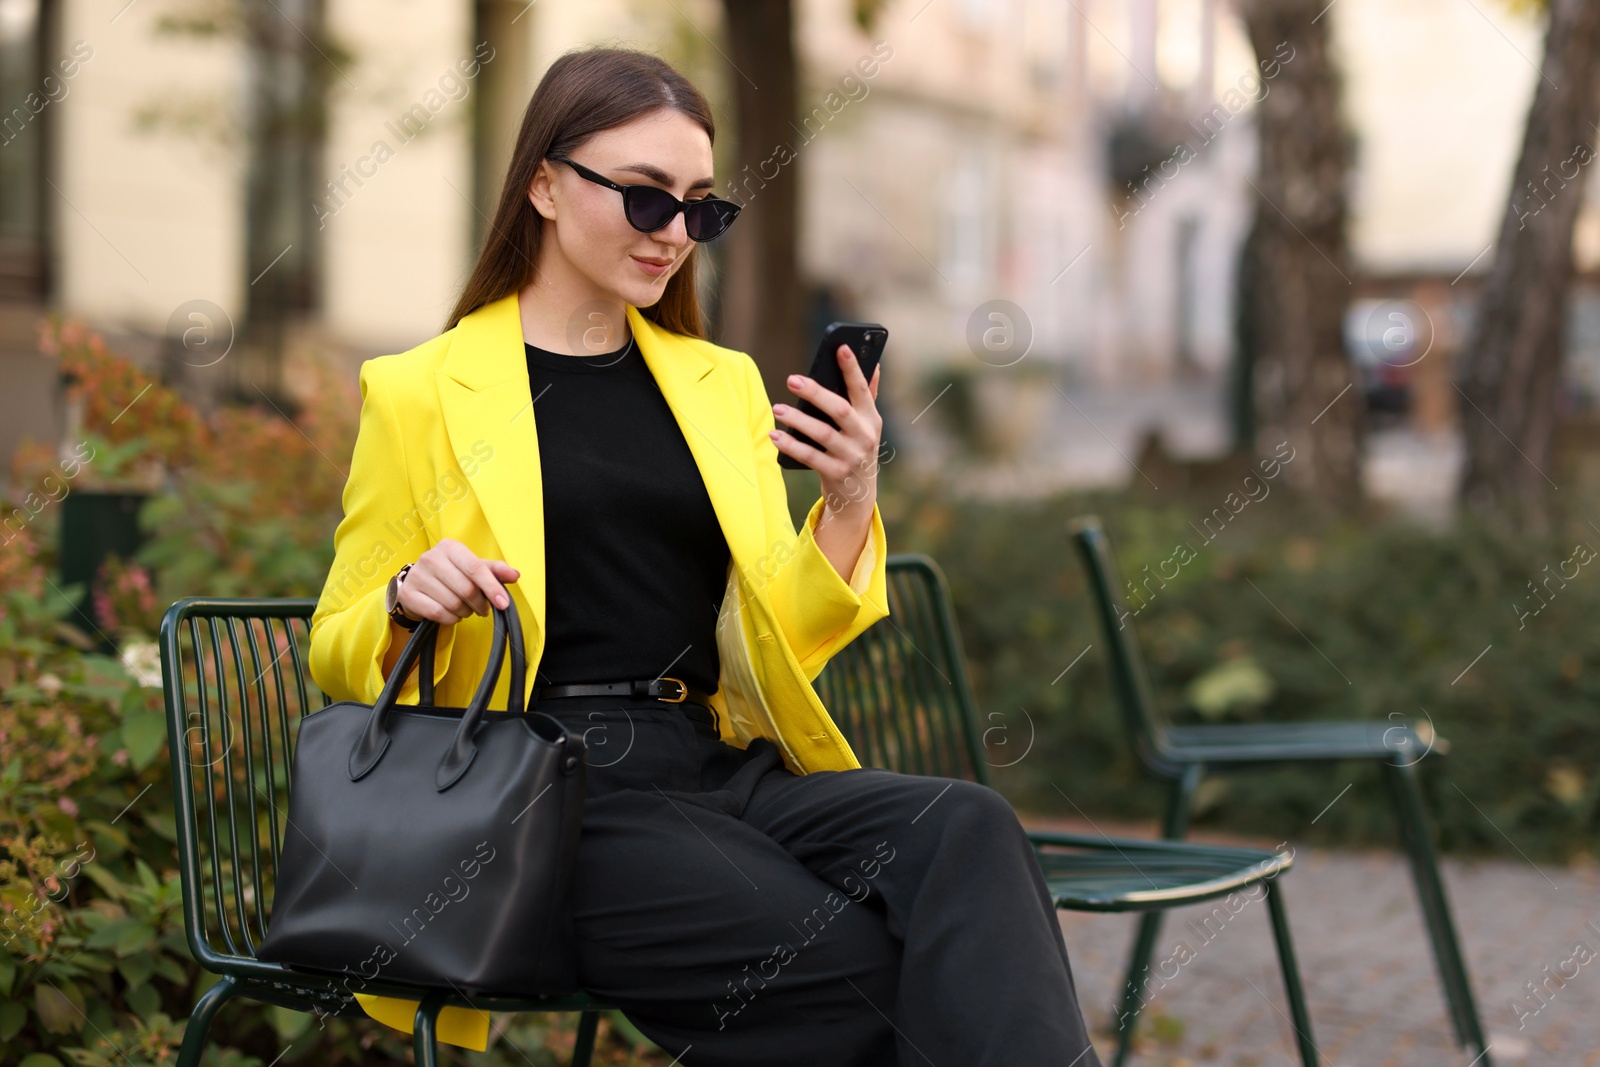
746	892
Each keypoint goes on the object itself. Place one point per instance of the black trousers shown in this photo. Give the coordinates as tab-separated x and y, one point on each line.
740	914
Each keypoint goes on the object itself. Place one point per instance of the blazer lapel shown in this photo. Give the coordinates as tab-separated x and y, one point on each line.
706	405
485	397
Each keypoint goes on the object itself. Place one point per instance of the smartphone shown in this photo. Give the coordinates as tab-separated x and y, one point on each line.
866	340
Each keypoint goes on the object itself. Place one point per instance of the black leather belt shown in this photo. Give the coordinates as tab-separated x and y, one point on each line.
671	690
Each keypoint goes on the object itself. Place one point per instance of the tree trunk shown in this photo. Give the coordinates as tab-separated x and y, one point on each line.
1291	323
289	78
1511	364
763	302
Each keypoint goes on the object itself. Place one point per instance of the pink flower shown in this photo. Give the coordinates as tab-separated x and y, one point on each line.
67	805
102	608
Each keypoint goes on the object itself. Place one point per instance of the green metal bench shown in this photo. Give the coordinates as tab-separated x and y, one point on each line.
1181	755
899	692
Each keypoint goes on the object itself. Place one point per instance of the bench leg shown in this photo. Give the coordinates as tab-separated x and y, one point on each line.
1127	1020
424	1041
1300	1017
205	1009
1417	839
583	1048
1173	826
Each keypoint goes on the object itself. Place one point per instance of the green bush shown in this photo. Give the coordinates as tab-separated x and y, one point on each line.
1288	614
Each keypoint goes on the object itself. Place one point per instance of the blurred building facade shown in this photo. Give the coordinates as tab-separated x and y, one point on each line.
1005	192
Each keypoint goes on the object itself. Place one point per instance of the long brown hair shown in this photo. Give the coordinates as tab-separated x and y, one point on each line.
584	92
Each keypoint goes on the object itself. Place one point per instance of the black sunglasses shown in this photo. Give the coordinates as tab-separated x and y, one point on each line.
649	208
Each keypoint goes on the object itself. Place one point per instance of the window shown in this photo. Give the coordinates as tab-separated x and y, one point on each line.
289	69
967	236
26	28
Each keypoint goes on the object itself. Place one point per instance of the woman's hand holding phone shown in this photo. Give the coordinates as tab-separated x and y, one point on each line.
847	462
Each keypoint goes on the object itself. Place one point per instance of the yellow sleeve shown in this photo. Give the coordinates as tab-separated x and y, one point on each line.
456	1025
817	610
350	631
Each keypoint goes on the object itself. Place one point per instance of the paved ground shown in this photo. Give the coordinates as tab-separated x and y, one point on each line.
1370	980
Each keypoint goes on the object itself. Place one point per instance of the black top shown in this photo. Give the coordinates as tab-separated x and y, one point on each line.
635	559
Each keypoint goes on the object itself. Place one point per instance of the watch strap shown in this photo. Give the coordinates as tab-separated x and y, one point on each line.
397	614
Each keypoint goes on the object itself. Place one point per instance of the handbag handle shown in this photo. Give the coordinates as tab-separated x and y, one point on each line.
425	672
374	740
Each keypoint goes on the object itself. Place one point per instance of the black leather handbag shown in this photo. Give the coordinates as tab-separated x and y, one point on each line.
433	846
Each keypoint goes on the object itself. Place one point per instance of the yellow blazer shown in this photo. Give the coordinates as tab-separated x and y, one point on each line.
447	448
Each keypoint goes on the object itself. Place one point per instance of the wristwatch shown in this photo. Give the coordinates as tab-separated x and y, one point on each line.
391	601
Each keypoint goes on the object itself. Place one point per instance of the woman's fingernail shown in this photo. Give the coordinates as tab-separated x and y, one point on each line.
795	379
780	408
772	434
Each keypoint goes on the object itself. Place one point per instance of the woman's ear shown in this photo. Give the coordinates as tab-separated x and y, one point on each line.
542	188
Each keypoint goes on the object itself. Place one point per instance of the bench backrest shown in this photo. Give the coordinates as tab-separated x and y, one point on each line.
236	686
899	691
1142	720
